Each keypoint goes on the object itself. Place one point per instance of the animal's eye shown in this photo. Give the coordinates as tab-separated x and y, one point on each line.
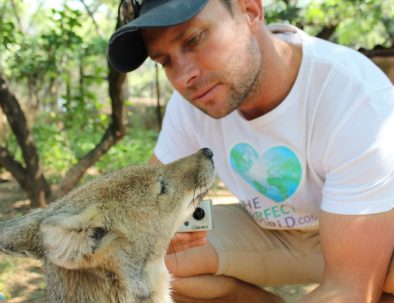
163	186
98	233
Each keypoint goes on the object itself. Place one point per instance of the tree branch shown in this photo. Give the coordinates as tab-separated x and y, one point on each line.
91	15
31	177
18	20
17	120
13	166
378	51
327	31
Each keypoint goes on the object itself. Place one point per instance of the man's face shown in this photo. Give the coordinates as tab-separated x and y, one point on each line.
212	60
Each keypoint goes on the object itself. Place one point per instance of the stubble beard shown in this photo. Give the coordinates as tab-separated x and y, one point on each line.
243	81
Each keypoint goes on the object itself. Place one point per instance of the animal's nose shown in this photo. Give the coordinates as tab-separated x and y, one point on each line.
207	152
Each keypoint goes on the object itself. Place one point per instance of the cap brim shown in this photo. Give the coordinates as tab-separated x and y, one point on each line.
126	49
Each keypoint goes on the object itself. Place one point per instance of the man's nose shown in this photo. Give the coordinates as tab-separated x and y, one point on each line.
186	72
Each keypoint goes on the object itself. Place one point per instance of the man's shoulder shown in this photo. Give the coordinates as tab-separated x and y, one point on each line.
326	55
346	63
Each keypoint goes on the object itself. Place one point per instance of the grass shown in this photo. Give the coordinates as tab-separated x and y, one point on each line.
21	279
6	267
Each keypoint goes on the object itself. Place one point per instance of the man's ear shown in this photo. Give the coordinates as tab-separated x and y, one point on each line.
70	240
20	236
254	12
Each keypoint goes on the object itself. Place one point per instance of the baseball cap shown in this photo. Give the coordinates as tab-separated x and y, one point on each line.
126	50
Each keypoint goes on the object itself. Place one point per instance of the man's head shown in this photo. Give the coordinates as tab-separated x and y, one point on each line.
209	49
126	49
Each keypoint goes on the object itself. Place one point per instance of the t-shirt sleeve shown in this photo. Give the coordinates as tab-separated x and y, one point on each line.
175	138
359	159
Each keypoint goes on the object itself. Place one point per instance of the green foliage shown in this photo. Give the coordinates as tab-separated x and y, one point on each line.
60	146
356	23
135	148
59	66
54	143
7	36
142	82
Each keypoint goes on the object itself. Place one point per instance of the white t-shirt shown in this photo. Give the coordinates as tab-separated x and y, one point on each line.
329	145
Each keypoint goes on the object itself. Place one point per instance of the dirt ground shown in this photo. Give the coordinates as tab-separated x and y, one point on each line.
21	279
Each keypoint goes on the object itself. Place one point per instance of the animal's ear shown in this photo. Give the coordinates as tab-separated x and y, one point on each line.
70	240
20	236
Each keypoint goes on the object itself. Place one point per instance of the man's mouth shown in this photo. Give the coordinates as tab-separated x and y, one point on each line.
204	95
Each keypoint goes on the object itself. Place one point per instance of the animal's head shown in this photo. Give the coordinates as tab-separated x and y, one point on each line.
131	213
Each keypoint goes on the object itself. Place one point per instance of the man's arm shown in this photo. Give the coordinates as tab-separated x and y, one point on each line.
357	251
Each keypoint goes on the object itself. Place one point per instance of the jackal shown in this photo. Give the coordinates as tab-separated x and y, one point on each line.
106	240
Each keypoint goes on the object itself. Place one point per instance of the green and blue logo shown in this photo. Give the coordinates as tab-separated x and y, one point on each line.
275	174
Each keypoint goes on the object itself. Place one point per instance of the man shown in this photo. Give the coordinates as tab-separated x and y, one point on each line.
301	130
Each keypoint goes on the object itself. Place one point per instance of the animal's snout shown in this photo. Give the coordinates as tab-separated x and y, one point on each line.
207	152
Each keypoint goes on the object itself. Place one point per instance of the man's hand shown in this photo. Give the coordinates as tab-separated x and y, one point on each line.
183	241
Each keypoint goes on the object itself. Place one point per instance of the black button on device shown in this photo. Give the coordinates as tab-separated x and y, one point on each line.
199	213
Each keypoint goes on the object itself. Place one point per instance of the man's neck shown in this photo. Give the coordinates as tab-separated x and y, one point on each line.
281	63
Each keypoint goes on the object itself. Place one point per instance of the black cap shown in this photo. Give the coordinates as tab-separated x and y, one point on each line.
126	49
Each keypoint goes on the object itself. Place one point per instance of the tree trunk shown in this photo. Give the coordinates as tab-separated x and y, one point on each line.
159	114
30	177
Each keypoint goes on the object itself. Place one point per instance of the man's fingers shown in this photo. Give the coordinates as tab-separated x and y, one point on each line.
185	238
176	246
183	241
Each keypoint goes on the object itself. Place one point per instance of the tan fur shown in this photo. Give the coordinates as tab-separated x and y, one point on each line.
105	241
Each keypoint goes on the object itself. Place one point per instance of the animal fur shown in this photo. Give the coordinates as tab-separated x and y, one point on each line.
106	241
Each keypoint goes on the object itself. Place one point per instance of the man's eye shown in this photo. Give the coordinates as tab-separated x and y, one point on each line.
195	40
164	63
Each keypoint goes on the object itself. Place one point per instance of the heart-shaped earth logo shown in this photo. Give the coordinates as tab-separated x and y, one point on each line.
276	174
